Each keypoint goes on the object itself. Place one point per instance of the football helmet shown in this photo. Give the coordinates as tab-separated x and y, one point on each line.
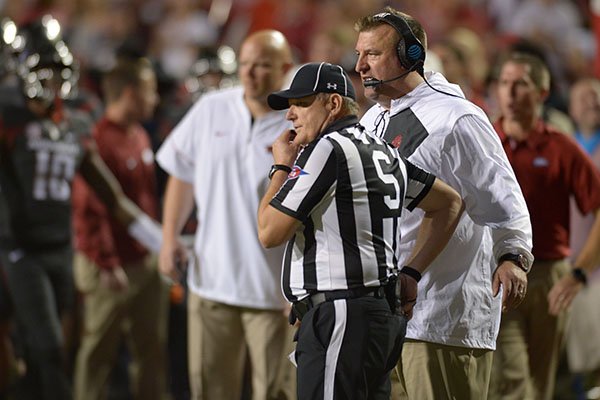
46	66
214	69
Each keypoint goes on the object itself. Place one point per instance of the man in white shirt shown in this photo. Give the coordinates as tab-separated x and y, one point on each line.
451	338
219	155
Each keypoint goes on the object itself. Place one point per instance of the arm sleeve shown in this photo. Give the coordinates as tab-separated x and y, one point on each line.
177	153
312	177
418	185
483	176
92	231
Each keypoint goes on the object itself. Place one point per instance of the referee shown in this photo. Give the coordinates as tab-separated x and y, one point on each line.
336	194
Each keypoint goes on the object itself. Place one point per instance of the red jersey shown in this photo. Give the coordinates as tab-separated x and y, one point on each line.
128	154
550	168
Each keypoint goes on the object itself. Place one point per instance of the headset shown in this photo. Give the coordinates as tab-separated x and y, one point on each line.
410	50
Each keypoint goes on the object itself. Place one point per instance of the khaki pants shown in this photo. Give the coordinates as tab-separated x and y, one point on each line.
527	349
430	371
140	312
219	337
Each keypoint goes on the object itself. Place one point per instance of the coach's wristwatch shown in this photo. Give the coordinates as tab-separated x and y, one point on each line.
279	167
580	275
519	259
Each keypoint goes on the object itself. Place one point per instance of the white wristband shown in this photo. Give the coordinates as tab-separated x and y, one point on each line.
146	231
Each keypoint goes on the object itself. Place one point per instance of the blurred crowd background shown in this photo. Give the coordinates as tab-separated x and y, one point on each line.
181	36
192	45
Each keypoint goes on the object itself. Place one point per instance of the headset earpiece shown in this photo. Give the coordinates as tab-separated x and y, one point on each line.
410	50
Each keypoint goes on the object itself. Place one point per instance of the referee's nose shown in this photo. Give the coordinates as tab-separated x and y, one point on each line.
290	115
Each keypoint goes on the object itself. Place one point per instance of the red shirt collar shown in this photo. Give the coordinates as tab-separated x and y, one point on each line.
536	135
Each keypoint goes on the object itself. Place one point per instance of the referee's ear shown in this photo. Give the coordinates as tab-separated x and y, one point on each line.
335	105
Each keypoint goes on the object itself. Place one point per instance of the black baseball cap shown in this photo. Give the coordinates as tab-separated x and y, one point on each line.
311	79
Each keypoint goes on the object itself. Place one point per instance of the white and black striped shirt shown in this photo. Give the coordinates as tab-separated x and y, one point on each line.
348	190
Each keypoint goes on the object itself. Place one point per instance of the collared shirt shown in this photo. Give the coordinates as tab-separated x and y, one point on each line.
128	154
348	189
550	168
227	156
453	139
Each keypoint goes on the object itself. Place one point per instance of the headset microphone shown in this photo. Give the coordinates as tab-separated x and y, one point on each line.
376	82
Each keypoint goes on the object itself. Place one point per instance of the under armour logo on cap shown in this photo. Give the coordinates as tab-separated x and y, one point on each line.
311	79
381	15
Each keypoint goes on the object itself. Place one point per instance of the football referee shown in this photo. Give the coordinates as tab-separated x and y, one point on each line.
336	194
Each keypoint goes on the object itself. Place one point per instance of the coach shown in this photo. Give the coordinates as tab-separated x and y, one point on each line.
337	195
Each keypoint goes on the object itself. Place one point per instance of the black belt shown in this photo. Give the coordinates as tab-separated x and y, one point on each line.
301	307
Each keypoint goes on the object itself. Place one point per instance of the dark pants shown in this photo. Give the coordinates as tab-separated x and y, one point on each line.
41	287
5	301
347	348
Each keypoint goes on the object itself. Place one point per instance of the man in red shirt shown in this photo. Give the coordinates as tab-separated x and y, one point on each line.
550	168
122	288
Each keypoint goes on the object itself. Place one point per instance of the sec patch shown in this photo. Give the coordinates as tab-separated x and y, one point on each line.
296	172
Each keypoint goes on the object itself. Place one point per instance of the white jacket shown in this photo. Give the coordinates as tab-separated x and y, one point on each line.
455	305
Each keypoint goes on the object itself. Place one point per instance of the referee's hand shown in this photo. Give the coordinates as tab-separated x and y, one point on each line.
285	148
408	294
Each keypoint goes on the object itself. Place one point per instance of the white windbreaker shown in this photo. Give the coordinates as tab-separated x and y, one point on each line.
455	305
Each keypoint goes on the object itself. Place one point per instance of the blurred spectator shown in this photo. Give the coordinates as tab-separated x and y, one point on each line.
441	16
584	109
502	13
476	58
101	29
564	40
584	354
546	162
294	18
335	45
553	106
177	38
456	69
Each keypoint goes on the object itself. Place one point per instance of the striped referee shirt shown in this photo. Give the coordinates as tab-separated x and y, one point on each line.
348	190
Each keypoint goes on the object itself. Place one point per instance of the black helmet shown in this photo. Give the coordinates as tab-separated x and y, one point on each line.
214	69
46	58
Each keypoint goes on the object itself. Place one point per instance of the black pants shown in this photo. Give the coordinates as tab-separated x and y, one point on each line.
41	286
347	348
